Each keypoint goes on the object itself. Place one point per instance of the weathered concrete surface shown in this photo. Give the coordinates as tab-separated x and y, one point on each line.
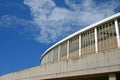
97	63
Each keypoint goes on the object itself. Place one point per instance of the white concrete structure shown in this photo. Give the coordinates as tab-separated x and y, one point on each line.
92	53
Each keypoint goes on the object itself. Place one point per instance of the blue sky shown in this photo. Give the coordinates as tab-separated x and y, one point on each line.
29	27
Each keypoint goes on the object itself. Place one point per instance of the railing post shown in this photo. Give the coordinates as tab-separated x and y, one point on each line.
80	45
96	40
52	56
117	32
67	49
58	52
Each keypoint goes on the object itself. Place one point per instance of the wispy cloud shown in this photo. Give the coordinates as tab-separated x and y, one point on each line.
53	22
24	27
8	21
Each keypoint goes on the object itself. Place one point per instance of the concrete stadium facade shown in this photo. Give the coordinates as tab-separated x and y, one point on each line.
92	53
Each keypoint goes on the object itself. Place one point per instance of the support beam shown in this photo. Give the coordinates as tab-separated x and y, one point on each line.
96	40
58	52
52	56
112	76
80	45
67	49
117	32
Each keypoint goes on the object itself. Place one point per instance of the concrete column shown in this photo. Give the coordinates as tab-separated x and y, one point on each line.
58	52
80	45
67	49
52	56
117	32
96	40
112	76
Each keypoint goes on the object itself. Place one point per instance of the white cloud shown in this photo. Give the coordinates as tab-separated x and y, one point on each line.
50	19
22	26
10	21
53	22
90	11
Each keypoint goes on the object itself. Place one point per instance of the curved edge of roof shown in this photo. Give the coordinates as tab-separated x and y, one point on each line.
77	32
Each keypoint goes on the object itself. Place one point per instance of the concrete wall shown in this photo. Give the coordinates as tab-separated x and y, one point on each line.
102	62
101	36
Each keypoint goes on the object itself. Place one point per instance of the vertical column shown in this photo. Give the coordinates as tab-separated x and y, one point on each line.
112	76
80	45
44	60
117	32
96	40
67	49
58	52
52	55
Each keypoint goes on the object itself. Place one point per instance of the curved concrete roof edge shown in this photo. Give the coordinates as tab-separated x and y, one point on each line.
78	32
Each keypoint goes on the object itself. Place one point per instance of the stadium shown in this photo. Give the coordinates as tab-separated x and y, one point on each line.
92	53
